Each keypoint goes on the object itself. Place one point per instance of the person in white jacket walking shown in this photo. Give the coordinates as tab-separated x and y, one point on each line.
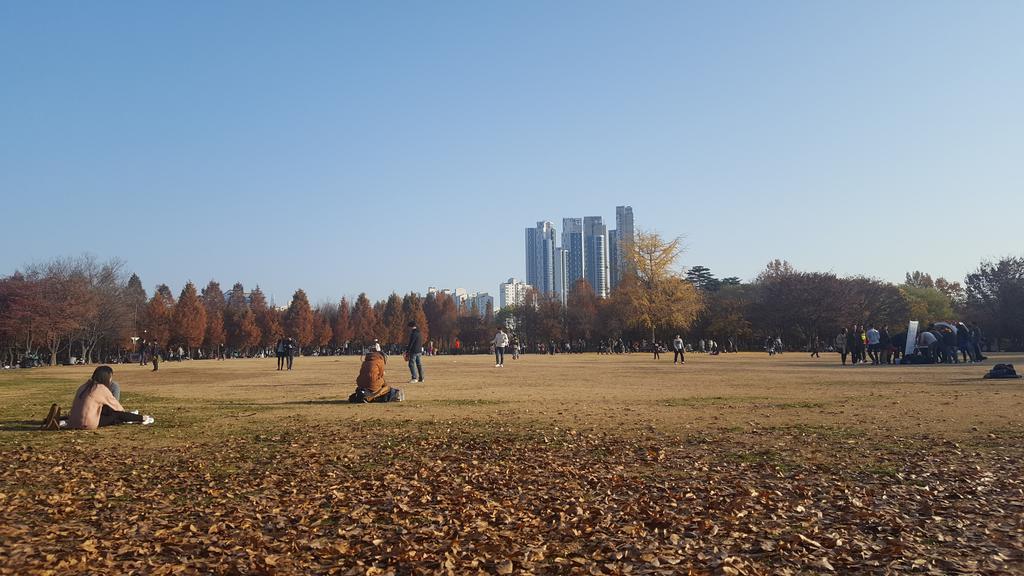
500	342
677	347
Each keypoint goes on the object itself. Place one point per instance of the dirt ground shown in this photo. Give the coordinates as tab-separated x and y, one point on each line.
735	464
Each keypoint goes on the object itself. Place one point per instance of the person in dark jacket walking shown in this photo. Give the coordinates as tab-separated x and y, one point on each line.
279	350
290	348
413	353
154	355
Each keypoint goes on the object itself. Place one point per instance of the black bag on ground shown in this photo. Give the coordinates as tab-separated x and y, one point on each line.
1002	371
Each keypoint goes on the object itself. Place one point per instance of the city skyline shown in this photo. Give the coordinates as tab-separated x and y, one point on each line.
589	251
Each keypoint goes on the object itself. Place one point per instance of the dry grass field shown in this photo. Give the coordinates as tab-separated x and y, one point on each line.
583	464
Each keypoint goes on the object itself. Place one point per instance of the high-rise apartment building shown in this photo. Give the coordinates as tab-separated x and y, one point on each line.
481	301
572	243
540	257
595	254
562	285
624	233
614	256
511	293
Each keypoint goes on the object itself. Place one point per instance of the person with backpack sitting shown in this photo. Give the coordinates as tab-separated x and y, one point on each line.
371	385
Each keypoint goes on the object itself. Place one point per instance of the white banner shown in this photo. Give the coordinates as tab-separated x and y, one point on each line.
911	338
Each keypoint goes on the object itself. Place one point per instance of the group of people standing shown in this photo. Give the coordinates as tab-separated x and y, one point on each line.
941	342
866	343
285	350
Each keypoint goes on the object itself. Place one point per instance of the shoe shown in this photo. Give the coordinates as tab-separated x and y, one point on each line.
420	381
400	397
497	365
51	420
147	420
413	381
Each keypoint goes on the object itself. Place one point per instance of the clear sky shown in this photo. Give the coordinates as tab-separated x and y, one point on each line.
376	146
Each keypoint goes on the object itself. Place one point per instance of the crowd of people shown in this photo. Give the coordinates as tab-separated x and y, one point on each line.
939	343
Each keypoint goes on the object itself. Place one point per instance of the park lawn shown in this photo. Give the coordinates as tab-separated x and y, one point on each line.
736	464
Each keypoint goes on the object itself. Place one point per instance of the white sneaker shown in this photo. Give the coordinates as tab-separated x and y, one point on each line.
147	420
413	381
497	365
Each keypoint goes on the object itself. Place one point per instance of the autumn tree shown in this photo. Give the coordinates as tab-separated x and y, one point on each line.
927	304
364	320
322	332
298	319
393	320
654	295
342	329
267	319
412	310
440	312
159	317
189	319
581	310
234	309
213	301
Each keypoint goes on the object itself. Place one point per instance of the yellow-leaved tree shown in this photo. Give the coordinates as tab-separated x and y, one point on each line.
652	294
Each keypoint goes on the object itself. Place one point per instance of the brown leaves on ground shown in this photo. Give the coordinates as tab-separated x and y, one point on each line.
474	500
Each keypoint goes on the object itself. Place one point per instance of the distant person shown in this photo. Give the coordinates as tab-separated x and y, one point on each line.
843	344
852	343
815	347
94	406
885	347
371	385
154	355
976	342
873	341
290	348
515	348
500	342
279	349
413	352
142	352
677	350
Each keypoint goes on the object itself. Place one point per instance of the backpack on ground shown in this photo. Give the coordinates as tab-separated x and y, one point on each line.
1002	371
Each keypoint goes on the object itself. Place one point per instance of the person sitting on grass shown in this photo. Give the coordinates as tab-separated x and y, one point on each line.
95	406
370	384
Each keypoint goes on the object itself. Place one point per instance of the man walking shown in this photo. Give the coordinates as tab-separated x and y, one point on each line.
500	342
677	346
413	352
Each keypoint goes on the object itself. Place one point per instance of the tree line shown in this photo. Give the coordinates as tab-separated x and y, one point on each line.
95	311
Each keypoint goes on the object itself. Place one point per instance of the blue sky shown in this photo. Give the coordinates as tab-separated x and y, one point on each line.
376	146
